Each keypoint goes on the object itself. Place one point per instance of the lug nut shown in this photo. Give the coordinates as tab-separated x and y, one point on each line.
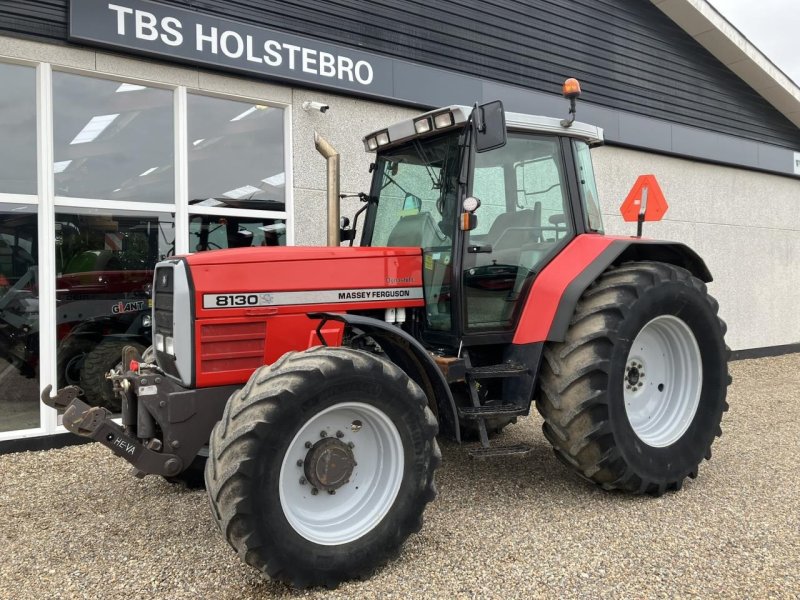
339	434
302	481
323	434
351	445
308	444
331	492
299	462
314	491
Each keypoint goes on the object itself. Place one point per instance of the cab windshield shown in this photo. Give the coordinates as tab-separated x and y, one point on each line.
417	187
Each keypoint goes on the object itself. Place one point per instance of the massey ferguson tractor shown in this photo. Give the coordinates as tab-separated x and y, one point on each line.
310	383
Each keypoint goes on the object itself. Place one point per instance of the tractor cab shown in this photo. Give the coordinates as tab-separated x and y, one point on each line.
490	198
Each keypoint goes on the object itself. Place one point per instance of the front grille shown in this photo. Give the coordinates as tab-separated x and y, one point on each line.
163	316
232	346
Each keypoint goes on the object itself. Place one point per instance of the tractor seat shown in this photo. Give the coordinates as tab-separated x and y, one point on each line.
511	230
415	231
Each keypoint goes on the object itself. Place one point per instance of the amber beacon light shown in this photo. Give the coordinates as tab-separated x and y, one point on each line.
571	90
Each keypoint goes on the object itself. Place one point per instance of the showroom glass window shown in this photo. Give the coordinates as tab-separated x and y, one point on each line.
19	318
236	154
18	127
19	295
112	140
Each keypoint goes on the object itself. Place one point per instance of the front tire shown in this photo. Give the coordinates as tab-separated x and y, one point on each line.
634	396
322	466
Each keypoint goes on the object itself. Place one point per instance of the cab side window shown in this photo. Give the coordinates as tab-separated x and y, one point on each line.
588	186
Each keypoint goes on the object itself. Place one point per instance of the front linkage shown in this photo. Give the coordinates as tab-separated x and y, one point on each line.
163	425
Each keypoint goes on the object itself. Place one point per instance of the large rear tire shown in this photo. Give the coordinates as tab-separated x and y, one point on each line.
322	466
634	396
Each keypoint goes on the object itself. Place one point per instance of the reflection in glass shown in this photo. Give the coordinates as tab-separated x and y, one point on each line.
112	140
210	232
104	264
235	154
18	126
19	318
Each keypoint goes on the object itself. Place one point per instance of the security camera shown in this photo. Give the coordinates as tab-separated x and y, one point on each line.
323	108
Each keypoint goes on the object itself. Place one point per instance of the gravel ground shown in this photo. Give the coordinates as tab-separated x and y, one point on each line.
76	525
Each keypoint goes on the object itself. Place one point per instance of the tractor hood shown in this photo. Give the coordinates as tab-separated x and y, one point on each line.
249	305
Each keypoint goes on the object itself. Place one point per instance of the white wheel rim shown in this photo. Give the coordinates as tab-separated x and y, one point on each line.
662	381
360	504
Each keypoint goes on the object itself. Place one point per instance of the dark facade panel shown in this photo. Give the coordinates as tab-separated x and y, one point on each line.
628	55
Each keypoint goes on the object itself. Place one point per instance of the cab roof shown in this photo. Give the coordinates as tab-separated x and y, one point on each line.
404	130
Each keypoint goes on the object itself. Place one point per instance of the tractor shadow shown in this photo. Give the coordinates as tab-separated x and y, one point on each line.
539	475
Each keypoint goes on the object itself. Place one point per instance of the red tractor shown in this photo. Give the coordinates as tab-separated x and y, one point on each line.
315	380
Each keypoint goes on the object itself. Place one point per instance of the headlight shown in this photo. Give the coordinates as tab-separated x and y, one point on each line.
372	143
443	120
423	125
159	342
169	346
383	138
147	320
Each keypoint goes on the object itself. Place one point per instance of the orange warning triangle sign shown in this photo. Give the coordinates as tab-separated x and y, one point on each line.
645	193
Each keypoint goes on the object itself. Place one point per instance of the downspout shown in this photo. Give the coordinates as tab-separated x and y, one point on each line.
332	157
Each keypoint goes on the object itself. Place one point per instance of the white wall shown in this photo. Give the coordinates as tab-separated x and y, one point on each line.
745	225
344	125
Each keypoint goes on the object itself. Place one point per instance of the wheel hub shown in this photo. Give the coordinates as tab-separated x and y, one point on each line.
634	373
329	464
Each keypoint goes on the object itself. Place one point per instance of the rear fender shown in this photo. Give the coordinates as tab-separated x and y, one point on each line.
408	354
560	284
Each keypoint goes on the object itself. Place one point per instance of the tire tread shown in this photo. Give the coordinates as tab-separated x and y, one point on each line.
576	415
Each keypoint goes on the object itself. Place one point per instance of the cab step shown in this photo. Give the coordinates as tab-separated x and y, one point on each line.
474	413
517	450
497	371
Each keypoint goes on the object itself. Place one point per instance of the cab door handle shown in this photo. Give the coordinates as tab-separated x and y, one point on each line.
479	248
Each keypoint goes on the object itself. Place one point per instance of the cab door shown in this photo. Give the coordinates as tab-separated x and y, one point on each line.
523	220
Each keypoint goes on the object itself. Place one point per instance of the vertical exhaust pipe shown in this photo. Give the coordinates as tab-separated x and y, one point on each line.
332	157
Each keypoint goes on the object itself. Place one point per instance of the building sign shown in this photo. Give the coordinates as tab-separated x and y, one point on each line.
175	33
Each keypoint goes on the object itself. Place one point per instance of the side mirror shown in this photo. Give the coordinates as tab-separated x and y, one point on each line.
489	126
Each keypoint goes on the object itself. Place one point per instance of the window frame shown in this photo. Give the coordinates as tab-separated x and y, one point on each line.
48	203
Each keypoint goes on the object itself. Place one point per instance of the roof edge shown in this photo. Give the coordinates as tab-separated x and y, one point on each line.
717	35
